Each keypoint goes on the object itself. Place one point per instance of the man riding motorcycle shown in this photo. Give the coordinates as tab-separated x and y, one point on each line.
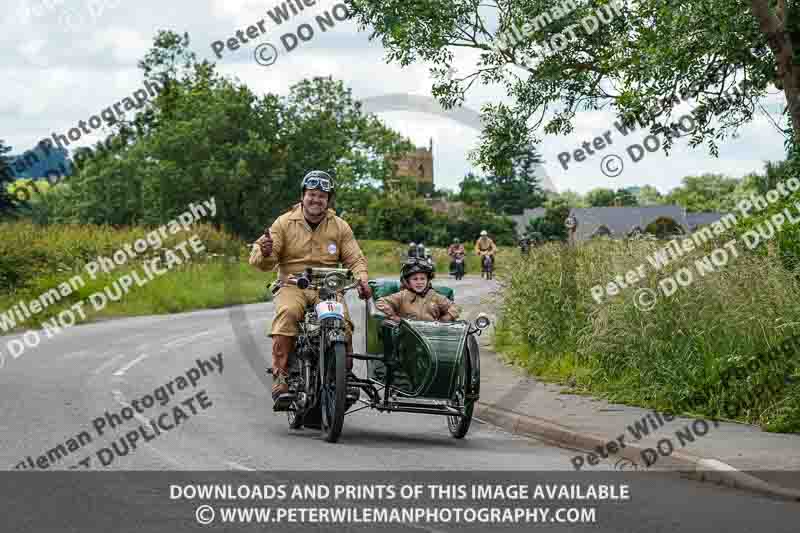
525	246
308	235
485	246
455	250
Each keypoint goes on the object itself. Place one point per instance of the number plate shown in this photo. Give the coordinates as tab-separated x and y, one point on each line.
330	310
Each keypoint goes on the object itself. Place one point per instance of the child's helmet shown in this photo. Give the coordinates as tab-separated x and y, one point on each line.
415	266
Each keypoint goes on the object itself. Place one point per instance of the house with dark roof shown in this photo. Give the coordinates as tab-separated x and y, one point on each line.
622	222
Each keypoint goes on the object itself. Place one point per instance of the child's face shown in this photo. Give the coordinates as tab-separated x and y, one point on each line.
418	281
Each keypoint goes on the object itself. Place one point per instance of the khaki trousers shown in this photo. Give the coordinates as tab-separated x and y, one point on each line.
290	308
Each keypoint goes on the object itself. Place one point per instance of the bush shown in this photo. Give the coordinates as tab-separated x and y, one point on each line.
29	251
406	218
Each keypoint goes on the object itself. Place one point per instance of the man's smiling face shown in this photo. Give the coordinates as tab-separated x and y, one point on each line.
315	202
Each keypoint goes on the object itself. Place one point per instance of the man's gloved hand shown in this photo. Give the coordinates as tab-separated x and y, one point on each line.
364	290
265	242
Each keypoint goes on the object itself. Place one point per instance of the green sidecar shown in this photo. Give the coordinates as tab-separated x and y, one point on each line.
421	367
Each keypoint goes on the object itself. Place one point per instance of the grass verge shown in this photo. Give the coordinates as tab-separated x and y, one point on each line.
708	349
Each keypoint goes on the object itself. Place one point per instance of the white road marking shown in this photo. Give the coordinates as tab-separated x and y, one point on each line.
127	367
120	400
237	466
137	336
108	363
79	353
164	456
184	340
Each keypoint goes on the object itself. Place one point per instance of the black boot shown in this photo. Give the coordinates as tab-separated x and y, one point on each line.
282	346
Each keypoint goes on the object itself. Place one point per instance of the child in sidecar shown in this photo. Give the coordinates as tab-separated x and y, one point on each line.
417	300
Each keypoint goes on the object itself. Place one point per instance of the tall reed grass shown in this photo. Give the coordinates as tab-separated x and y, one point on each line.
668	357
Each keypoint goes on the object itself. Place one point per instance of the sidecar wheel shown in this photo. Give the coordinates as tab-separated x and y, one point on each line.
333	396
458	425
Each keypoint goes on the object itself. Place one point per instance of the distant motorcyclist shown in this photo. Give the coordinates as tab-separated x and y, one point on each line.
456	248
456	252
525	246
485	246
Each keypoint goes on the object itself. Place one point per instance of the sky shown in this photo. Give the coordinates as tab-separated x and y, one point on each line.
66	60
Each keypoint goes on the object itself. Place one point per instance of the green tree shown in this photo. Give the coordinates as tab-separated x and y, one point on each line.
568	197
400	216
206	135
600	197
474	190
479	218
649	195
707	192
550	226
9	204
520	189
625	198
642	63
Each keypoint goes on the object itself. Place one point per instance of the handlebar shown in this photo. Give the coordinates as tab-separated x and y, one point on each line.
305	283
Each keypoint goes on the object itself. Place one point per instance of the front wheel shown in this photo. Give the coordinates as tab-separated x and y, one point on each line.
333	394
295	419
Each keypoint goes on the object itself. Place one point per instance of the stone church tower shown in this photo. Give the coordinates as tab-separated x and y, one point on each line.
419	166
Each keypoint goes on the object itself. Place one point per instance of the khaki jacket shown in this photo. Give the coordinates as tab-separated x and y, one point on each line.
485	245
407	304
295	246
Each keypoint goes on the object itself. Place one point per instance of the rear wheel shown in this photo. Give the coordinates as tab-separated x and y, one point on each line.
333	395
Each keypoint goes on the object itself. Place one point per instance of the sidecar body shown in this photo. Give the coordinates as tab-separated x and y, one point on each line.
421	366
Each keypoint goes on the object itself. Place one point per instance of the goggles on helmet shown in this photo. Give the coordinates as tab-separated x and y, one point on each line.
318	180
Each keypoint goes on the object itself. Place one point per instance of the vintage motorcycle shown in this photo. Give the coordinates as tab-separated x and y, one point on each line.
457	266
413	366
487	265
317	366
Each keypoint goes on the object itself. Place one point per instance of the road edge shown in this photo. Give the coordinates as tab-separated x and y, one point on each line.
698	468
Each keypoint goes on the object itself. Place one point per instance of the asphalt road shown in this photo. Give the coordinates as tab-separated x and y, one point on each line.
54	392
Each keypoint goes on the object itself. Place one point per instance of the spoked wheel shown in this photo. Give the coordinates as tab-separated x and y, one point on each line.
458	425
295	419
333	396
